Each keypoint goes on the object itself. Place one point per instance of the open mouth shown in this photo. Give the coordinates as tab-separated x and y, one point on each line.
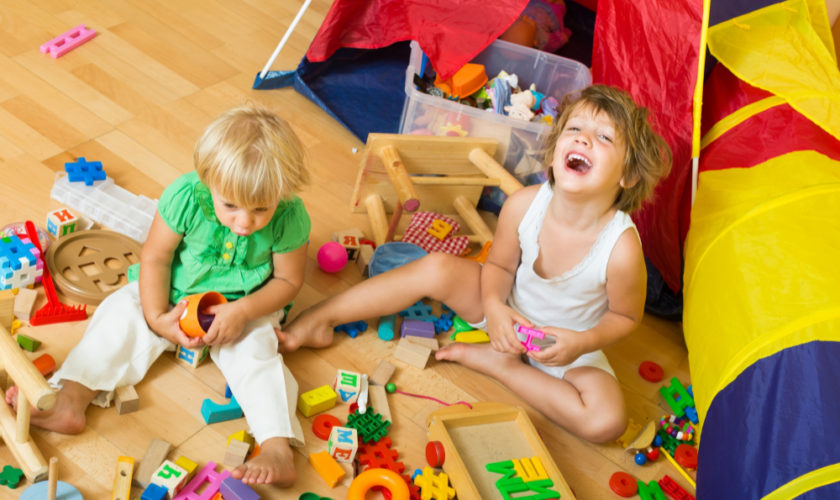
578	163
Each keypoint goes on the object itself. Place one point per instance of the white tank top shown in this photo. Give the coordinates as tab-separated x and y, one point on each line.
578	298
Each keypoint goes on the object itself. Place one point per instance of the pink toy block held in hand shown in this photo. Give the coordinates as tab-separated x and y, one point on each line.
62	44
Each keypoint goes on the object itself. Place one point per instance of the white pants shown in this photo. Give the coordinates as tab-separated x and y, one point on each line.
118	348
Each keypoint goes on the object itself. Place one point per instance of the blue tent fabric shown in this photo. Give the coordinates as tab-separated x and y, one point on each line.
362	89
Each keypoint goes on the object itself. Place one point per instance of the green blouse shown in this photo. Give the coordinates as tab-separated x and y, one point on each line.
212	257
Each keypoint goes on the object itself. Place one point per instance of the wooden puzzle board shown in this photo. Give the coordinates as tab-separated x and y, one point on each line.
490	432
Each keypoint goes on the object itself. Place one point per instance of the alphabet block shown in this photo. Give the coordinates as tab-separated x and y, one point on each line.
347	385
61	222
343	443
171	477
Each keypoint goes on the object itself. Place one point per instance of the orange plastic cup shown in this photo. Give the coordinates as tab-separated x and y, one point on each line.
195	319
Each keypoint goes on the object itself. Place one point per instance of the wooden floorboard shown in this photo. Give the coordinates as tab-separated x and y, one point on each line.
137	97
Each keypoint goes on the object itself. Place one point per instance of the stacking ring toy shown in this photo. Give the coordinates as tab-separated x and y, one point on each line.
385	478
195	321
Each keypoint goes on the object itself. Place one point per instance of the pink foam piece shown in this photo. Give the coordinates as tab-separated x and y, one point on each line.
206	475
62	44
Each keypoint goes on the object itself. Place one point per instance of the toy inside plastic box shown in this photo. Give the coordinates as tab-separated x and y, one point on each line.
519	141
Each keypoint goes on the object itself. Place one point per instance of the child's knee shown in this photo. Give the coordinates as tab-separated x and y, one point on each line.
605	428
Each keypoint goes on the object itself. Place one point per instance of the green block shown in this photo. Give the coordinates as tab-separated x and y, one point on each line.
27	343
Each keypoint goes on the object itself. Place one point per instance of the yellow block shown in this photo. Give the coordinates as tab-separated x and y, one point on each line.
317	400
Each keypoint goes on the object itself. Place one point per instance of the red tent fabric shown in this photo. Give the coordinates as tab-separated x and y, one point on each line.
656	62
450	33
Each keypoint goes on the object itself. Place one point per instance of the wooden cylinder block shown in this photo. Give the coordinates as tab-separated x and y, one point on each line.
491	168
399	178
472	219
378	220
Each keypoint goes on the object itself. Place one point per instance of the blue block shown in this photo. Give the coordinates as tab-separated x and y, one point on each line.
83	170
154	492
234	489
419	311
417	328
214	412
353	329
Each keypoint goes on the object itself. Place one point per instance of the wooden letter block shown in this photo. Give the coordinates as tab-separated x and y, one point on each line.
343	443
61	222
350	240
347	385
411	353
170	476
126	399
317	400
191	357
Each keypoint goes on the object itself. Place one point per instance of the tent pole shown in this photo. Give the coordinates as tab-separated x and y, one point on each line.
283	40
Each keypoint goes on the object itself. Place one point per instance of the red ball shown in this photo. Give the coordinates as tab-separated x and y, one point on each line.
332	257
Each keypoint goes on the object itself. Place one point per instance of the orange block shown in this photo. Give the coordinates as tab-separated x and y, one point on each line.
326	467
465	82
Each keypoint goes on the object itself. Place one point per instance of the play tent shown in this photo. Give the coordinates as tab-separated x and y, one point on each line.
754	255
762	304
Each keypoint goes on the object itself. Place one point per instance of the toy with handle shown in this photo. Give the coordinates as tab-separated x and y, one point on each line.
53	311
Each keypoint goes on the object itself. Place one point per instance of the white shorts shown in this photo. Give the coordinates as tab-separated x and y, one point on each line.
595	359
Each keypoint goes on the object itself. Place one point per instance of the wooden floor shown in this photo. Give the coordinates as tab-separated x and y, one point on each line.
136	98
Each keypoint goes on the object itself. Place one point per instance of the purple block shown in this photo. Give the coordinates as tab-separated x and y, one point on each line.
417	328
234	489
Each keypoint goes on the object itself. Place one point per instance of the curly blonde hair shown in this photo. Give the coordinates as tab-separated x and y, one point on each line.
647	158
251	156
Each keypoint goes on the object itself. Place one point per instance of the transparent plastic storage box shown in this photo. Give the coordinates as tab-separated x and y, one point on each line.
519	141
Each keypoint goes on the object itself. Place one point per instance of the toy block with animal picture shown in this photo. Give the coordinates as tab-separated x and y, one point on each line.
502	440
441	175
343	443
351	240
61	222
347	386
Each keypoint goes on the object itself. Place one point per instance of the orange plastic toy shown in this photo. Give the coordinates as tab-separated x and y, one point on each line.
386	478
195	321
465	82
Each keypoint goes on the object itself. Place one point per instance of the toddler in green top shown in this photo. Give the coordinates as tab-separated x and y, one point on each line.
234	226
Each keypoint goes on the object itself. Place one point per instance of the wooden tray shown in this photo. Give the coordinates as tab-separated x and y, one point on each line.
488	433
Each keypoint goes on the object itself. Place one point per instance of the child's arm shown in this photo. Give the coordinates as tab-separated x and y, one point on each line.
626	285
278	291
155	281
498	272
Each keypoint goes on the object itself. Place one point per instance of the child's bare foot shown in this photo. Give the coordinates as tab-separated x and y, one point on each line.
66	417
304	331
480	357
275	464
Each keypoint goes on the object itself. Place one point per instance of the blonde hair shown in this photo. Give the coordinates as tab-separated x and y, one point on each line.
647	158
251	156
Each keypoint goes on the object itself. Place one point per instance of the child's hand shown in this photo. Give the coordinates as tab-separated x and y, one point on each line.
166	325
227	325
500	328
564	351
